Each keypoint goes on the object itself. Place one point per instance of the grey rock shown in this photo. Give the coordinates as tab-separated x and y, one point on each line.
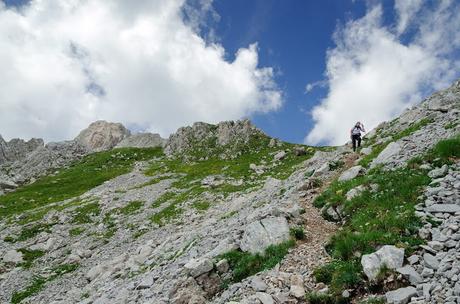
196	267
265	298
366	151
258	284
438	172
7	184
101	135
443	208
279	156
401	295
410	273
431	261
352	193
297	291
260	234
389	256
391	151
12	256
351	173
222	266
146	282
142	140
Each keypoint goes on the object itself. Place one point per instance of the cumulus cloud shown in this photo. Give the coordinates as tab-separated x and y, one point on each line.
143	63
373	74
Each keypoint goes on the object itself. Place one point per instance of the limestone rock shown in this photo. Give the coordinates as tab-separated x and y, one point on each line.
389	256
443	208
387	154
265	298
17	149
279	156
260	234
410	273
142	140
351	173
12	256
438	172
401	295
102	135
196	267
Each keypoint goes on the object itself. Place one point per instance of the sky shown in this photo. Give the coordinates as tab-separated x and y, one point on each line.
302	71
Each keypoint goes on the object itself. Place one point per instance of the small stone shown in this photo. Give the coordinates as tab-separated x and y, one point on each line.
438	172
265	298
413	259
431	261
258	284
222	266
279	156
146	282
444	208
346	294
410	273
297	291
197	267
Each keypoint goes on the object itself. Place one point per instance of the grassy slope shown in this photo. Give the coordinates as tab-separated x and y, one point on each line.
375	219
80	177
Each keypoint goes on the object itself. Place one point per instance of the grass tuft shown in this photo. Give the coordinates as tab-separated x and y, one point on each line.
245	264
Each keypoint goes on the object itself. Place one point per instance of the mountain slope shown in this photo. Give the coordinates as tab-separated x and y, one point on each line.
220	215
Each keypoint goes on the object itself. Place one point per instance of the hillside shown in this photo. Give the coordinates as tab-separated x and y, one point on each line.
225	214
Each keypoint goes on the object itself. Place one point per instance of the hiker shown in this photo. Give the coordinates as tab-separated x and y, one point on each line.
356	134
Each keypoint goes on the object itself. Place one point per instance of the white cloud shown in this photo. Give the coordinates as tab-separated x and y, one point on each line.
406	10
373	76
67	63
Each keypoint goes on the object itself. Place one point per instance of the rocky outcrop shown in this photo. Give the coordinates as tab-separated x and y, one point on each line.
17	149
206	140
142	140
42	159
102	135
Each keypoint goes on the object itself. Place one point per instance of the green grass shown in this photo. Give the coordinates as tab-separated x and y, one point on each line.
84	214
324	298
374	219
444	151
80	177
201	205
297	232
168	213
245	264
163	199
39	282
29	256
132	207
451	125
76	231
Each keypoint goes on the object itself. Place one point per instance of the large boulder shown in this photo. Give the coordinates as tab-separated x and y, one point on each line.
389	256
142	140
260	234
102	135
387	154
351	173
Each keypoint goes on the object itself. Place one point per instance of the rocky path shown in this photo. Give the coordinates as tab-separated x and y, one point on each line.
311	253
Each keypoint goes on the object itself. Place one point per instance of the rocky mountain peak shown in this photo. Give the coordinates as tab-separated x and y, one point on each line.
102	135
17	149
225	138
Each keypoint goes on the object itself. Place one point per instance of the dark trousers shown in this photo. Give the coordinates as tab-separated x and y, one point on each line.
356	138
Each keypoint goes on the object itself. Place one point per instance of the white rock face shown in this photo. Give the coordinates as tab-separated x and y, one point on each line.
142	140
351	173
102	135
387	154
261	234
389	256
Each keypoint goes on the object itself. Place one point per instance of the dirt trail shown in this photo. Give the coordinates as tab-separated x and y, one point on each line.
311	253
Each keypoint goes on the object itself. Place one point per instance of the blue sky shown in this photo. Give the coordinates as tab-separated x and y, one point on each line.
292	37
214	60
